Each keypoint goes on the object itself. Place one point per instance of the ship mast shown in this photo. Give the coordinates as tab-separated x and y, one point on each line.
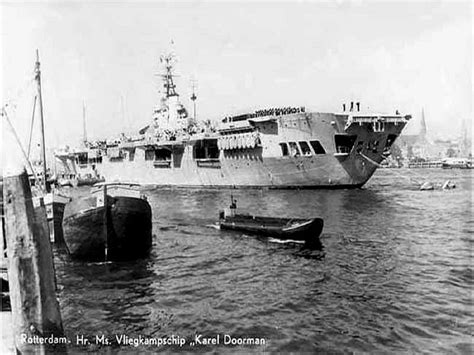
40	107
169	113
169	85
193	98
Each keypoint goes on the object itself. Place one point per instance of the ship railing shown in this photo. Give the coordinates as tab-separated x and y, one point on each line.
382	118
235	125
378	120
128	189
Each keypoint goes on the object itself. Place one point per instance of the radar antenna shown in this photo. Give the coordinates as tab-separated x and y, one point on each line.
168	61
193	98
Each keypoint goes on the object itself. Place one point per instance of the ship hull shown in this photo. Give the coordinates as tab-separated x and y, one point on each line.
264	165
272	173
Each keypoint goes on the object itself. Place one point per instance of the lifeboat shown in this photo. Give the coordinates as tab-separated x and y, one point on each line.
248	140
240	142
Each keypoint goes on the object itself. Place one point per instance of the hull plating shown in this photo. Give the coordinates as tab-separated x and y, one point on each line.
265	165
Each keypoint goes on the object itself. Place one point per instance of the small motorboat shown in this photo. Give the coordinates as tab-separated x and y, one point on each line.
299	229
114	223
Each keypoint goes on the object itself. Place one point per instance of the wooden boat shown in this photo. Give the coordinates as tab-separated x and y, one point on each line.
54	203
281	228
108	226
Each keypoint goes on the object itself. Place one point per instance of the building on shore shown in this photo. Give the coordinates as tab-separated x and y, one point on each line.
423	147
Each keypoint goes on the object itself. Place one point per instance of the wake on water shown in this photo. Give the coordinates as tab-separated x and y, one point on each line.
271	240
285	241
215	226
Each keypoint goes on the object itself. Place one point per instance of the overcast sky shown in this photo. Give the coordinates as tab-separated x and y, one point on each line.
244	56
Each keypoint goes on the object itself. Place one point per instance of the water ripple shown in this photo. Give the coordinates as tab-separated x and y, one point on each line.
393	274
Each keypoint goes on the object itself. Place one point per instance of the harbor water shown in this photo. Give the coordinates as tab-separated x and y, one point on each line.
394	273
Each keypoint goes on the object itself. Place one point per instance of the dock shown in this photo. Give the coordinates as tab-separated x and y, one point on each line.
426	164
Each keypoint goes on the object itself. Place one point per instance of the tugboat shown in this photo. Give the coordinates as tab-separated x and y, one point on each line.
296	229
278	148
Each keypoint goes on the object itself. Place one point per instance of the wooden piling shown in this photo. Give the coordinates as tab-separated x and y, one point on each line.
105	225
35	308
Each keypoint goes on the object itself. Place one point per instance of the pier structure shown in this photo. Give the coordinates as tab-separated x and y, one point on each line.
425	164
36	324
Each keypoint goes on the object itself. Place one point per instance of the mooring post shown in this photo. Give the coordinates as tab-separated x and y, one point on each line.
37	325
105	225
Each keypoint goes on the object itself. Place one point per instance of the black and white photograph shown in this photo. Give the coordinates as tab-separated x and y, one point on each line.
236	177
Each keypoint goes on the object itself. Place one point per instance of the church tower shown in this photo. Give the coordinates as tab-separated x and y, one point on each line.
423	125
464	141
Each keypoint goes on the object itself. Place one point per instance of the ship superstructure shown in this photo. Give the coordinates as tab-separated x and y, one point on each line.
276	148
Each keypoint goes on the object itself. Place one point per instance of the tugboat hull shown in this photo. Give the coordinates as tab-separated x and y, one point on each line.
129	229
